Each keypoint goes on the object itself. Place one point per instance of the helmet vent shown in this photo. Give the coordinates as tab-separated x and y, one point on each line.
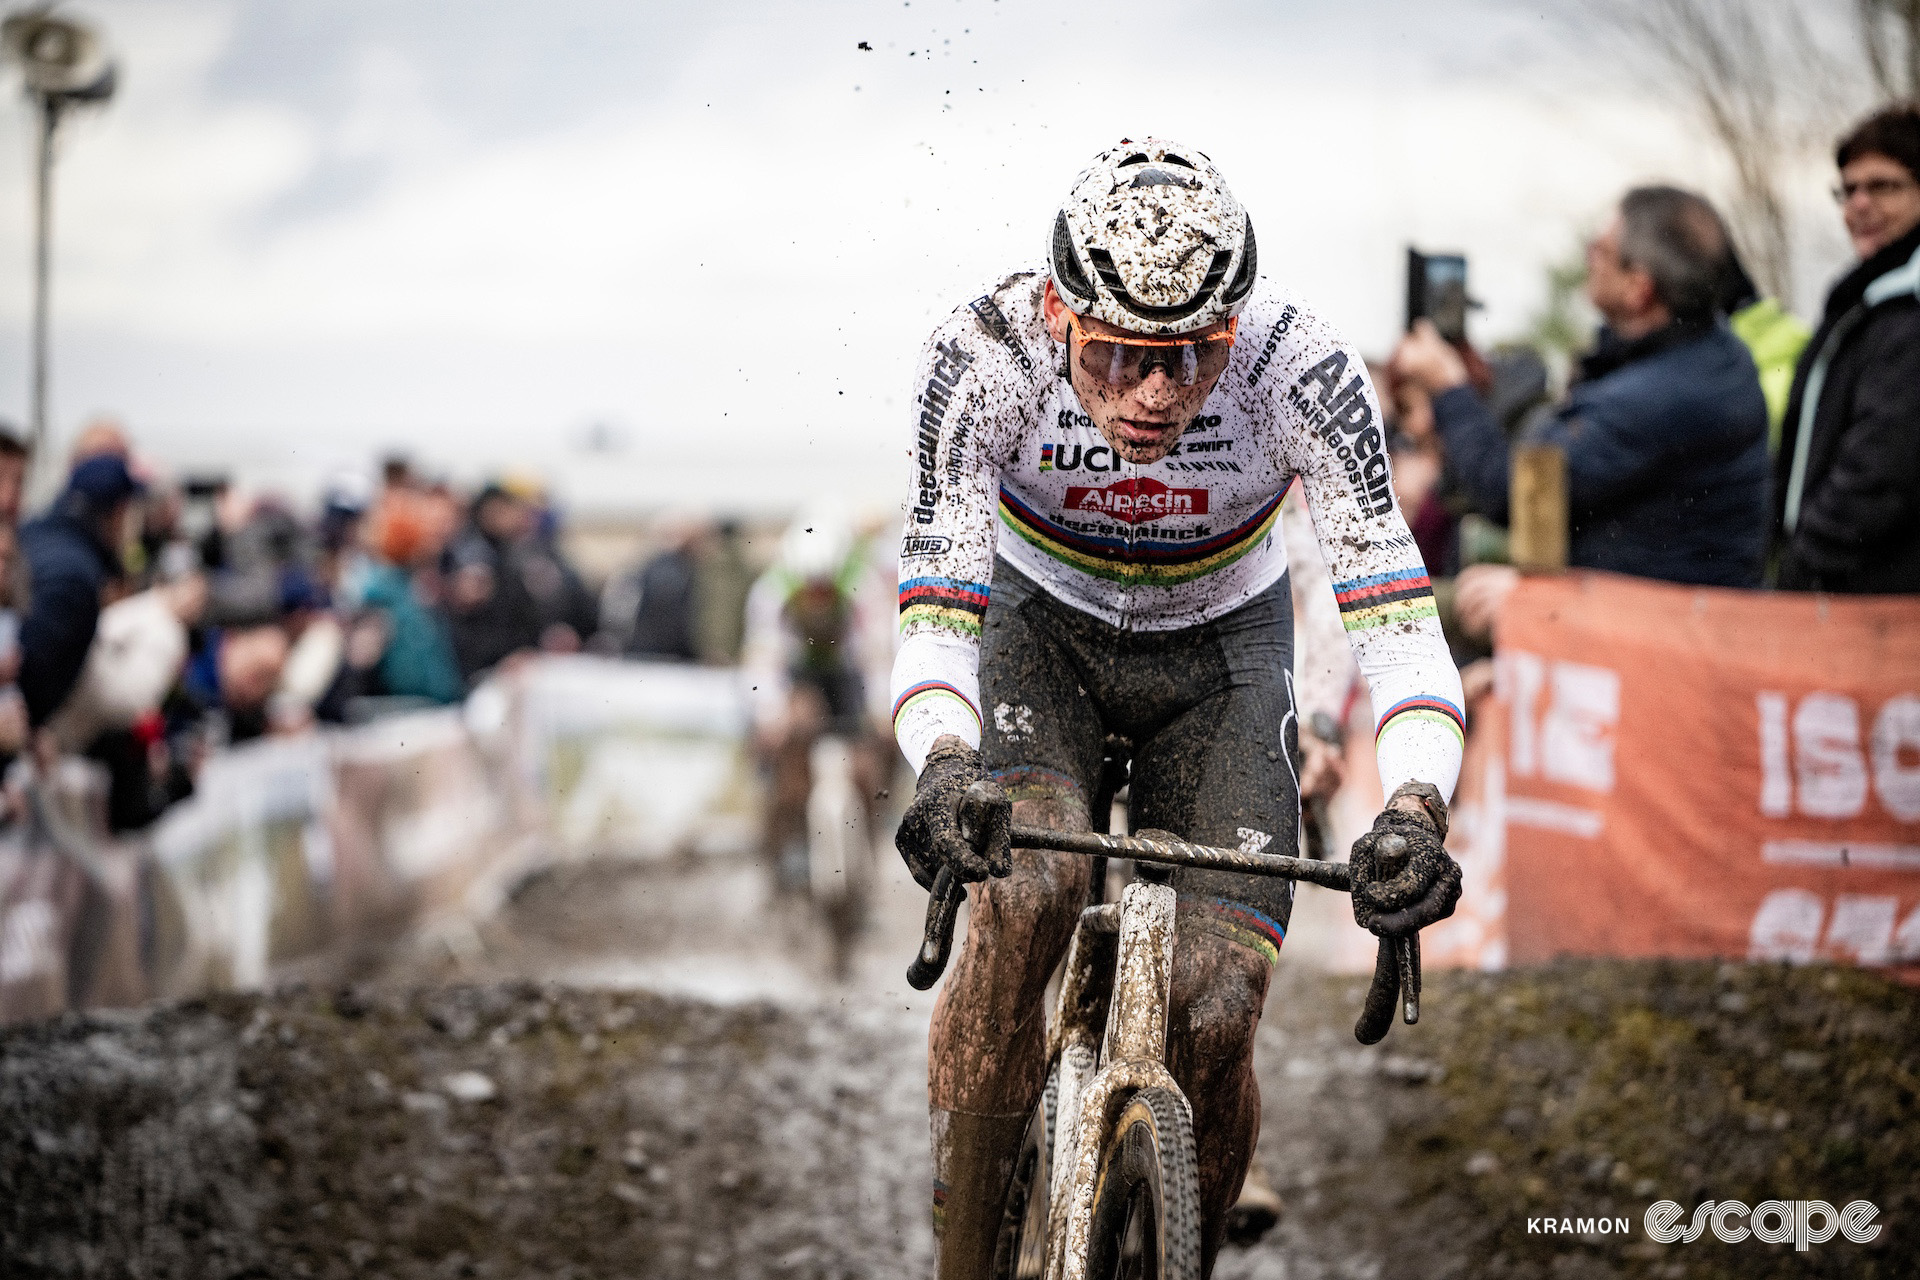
1182	161
1138	157
1110	274
1160	178
1242	283
1066	263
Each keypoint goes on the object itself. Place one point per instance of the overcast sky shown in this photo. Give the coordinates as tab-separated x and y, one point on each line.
310	229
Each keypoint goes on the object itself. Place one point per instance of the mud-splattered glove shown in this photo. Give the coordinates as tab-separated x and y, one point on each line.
1403	877
975	839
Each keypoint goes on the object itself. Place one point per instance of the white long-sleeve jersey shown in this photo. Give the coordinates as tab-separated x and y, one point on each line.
1005	460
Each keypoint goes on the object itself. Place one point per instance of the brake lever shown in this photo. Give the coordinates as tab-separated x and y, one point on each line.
1396	964
1376	1016
943	906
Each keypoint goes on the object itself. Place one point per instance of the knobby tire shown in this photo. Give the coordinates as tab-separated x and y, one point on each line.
1146	1200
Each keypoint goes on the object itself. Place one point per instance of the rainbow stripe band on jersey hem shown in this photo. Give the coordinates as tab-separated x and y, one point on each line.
1426	707
1405	595
1232	921
1032	782
933	689
943	602
1140	562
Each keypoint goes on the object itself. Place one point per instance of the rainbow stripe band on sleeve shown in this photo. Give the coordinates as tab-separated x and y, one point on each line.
934	689
1425	707
943	602
1404	595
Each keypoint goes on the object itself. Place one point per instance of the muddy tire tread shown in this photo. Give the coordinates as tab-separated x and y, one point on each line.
1180	1181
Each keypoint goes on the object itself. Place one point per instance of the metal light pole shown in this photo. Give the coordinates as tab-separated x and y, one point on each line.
63	67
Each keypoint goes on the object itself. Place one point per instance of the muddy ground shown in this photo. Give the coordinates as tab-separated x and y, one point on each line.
452	1118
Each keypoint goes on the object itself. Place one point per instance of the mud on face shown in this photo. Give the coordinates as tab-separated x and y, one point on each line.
1142	422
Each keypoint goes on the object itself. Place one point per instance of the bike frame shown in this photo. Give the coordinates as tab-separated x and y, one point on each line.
1130	1024
1108	1033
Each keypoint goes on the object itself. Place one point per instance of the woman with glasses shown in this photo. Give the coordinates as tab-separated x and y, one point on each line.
1846	490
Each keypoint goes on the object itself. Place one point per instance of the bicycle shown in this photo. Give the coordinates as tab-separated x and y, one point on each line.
839	846
1106	1183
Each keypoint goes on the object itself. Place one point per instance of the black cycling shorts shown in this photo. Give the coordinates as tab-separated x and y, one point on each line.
1209	710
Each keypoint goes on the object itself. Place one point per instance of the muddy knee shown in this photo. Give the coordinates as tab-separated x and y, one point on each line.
1041	900
1219	988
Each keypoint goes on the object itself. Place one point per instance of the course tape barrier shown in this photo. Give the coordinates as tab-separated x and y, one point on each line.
297	856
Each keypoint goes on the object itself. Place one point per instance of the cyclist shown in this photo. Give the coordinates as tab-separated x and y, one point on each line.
816	650
1100	453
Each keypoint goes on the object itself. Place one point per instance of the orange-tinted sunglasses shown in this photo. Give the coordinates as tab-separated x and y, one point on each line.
1122	360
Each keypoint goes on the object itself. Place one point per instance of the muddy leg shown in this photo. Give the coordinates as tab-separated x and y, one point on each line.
986	1050
1219	988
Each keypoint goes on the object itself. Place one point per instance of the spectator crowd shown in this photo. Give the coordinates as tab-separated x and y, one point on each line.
148	621
1708	438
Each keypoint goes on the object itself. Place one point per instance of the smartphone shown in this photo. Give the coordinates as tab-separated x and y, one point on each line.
1437	291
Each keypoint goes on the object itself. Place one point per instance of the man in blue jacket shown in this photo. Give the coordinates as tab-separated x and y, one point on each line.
1665	428
72	554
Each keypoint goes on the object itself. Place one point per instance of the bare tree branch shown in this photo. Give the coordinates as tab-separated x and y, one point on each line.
1890	33
1718	60
1762	83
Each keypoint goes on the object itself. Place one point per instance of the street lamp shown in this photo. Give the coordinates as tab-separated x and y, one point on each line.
63	66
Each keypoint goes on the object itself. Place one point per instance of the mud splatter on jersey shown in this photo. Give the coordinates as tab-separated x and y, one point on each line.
1005	461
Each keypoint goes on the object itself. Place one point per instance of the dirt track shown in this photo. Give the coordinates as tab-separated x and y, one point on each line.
512	1129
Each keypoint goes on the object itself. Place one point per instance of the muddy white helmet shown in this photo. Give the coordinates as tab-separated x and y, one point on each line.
817	547
1151	240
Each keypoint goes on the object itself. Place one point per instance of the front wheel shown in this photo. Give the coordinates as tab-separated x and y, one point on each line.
1020	1253
1146	1199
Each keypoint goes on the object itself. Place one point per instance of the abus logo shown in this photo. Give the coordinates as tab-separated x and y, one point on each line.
1137	500
917	546
1771	1221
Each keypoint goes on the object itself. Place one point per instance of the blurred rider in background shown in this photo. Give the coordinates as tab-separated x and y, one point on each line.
817	652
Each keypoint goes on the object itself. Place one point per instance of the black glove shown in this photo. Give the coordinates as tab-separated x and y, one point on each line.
1403	877
958	818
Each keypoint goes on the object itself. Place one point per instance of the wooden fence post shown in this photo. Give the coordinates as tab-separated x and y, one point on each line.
1537	501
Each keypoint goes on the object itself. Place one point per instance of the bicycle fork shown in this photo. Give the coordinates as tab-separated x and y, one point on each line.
1122	984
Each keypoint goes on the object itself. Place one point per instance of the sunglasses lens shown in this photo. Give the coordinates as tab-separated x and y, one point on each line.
1185	363
1111	362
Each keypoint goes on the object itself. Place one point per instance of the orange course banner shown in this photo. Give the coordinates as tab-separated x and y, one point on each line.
1703	772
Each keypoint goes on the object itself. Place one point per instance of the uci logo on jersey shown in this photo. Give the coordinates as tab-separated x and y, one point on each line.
1071	457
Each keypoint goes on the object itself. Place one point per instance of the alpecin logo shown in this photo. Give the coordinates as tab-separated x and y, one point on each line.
1770	1221
1137	501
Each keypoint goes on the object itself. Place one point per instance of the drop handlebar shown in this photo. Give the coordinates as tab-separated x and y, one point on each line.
1396	974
